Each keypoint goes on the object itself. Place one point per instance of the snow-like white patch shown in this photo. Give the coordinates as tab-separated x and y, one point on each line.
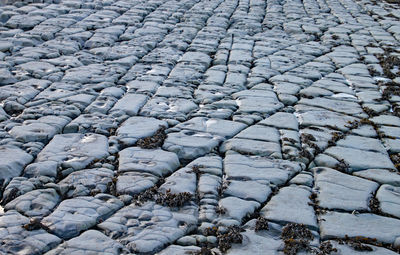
343	95
378	78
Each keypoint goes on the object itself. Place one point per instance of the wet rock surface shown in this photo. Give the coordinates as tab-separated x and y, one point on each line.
199	127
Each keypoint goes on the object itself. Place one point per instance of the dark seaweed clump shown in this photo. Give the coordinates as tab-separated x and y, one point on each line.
154	141
232	235
261	224
225	239
296	237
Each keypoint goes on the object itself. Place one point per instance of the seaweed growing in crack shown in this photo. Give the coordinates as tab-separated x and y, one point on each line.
197	171
396	110
296	238
388	63
306	96
335	37
353	124
232	235
306	154
154	141
325	248
336	136
369	111
357	243
372	71
296	231
374	205
364	121
391	89
145	196
360	243
290	140
305	138
396	160
112	131
261	224
112	186
292	246
342	166
211	231
173	199
205	250
223	187
225	238
60	174
165	199
9	196
309	140
315	147
220	210
113	159
360	247
94	192
314	204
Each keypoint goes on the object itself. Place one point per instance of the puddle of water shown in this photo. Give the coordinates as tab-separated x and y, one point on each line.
173	108
378	78
210	123
76	159
88	139
201	134
343	95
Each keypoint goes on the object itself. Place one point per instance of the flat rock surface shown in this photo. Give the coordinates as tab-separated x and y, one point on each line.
16	239
389	199
291	204
13	161
75	150
149	227
90	241
337	190
199	126
335	224
77	214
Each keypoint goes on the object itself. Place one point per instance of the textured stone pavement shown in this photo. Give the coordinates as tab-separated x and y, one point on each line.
200	127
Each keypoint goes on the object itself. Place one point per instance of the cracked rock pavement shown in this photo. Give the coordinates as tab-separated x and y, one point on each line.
200	127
